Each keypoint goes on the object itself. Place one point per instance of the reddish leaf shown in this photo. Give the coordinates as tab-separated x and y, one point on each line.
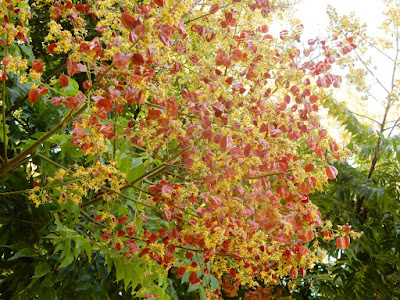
312	142
128	21
264	28
320	151
213	9
154	114
236	55
165	35
222	59
106	236
275	133
193	279
51	48
80	7
102	28
309	167
143	9
331	172
71	102
56	100
333	146
346	228
107	131
120	60
159	2
140	30
43	90
37	65
327	234
117	247
33	96
167	40
167	214
102	102
226	143
132	37
215	201
3	76
63	81
138	59
313	98
177	67
293	273
100	218
130	229
73	67
343	242
232	272
181	272
283	191
123	219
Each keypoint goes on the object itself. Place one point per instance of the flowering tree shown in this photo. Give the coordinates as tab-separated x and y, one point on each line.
171	139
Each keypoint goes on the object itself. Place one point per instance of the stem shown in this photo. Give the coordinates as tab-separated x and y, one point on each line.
3	99
155	170
137	201
115	140
91	219
52	162
202	16
269	174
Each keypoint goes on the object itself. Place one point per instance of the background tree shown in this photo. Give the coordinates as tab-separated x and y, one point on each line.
366	192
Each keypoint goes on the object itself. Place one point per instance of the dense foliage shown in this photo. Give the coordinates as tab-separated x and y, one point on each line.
162	149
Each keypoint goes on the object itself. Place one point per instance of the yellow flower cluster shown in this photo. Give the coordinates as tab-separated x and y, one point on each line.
89	180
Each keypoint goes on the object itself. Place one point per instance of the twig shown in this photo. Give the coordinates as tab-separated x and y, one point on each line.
270	174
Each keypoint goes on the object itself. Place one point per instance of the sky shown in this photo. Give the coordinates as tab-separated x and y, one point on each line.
313	16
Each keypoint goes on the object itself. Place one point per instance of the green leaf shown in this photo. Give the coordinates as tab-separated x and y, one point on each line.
26	252
17	246
193	288
128	271
202	294
214	283
28	52
82	243
47	293
67	261
185	277
72	89
133	167
41	269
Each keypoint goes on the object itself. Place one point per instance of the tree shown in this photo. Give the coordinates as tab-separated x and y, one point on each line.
160	143
366	192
